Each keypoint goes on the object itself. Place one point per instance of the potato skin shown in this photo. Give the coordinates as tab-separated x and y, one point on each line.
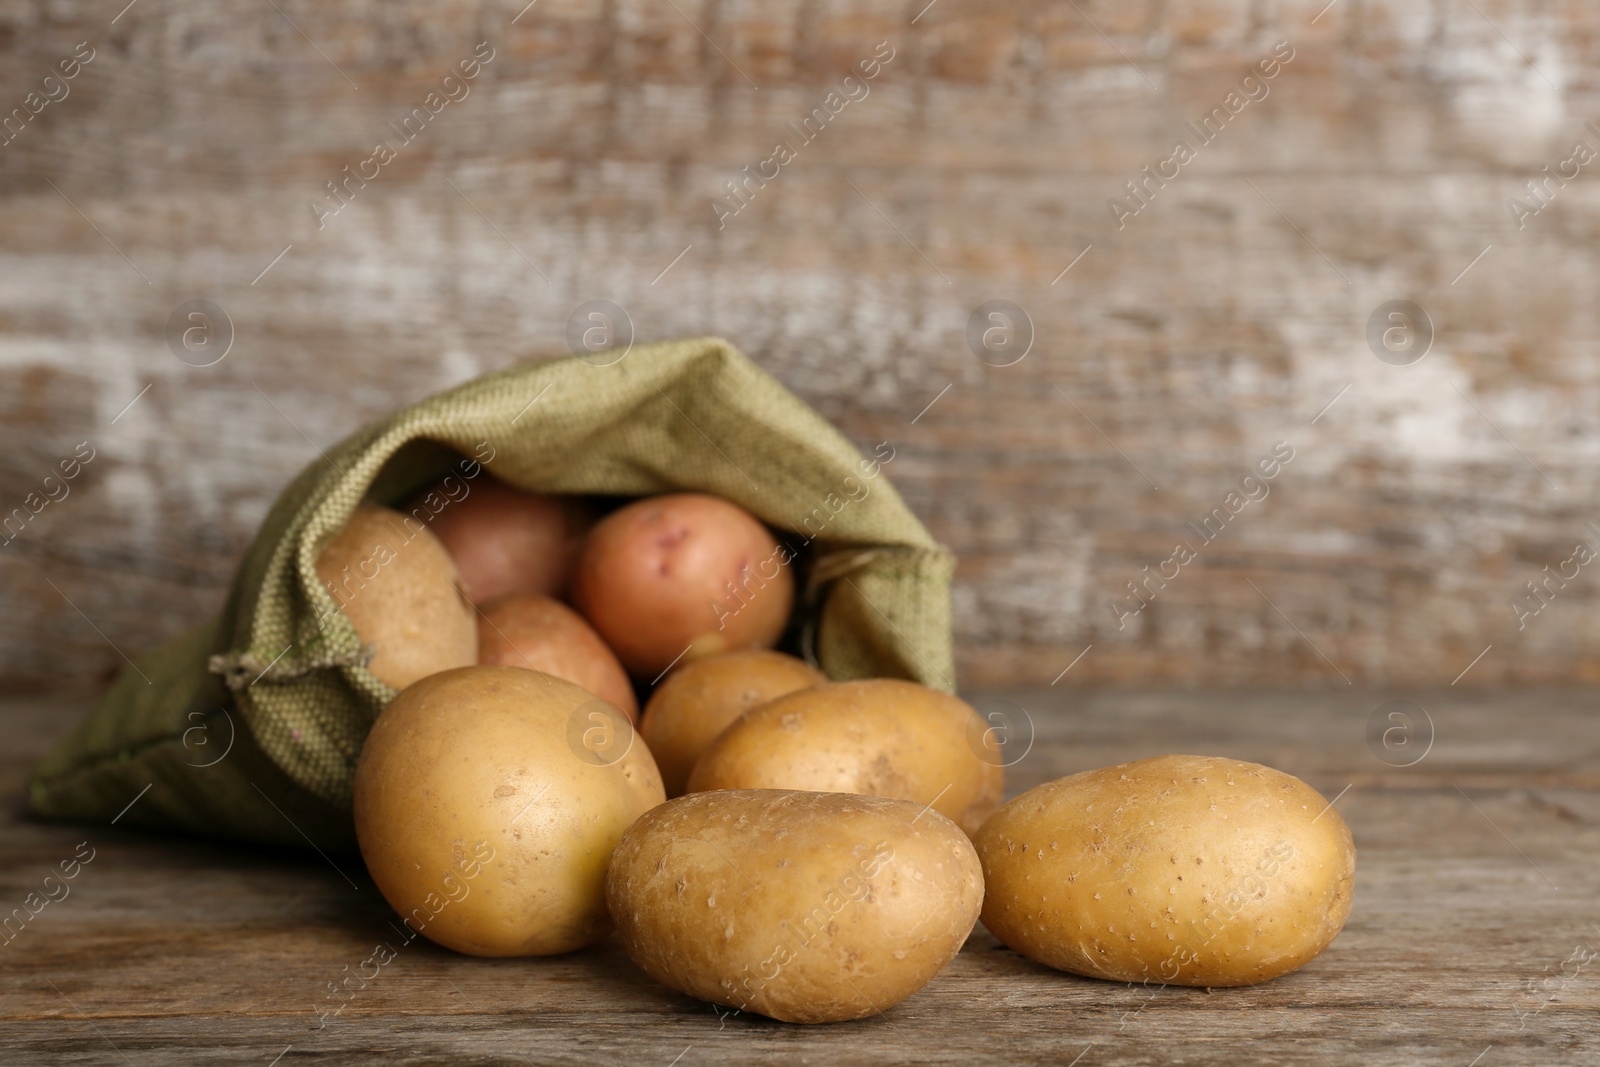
541	634
684	571
880	737
479	821
1178	870
401	591
698	700
805	907
506	541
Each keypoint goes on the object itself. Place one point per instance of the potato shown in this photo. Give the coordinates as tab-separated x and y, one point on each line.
1185	870
882	737
806	907
688	710
540	634
399	589
487	803
683	573
504	540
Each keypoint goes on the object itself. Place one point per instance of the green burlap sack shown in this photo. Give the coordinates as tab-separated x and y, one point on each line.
249	728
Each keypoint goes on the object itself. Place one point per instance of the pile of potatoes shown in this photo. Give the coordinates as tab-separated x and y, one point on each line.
760	836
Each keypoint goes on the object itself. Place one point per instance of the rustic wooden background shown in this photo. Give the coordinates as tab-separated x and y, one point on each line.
1226	316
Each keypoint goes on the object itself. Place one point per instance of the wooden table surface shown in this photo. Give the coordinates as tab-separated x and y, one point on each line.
1473	939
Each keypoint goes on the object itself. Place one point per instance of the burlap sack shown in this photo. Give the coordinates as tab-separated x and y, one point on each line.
249	728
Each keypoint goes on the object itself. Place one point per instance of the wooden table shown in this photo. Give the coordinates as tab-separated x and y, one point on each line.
1472	940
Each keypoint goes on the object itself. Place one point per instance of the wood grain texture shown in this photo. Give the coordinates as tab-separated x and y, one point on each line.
1221	319
1477	877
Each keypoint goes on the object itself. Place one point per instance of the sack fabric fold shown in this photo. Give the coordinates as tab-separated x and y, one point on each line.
248	728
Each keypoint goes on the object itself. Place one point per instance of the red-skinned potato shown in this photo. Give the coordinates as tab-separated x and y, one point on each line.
541	634
685	573
506	541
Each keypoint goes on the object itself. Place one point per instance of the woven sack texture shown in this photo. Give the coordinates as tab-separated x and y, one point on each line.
249	727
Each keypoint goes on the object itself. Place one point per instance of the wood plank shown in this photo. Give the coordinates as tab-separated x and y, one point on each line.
173	951
1219	320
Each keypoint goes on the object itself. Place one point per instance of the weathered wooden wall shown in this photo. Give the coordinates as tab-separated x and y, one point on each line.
1182	346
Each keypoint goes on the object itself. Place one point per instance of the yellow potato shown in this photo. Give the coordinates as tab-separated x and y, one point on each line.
399	588
487	803
698	700
806	907
1179	870
880	737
